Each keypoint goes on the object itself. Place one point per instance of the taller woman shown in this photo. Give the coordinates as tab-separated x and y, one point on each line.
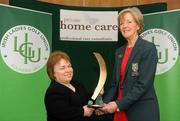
132	96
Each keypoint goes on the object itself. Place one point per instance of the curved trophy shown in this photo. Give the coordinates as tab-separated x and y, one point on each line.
96	99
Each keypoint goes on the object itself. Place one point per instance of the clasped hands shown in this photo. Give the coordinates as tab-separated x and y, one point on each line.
110	107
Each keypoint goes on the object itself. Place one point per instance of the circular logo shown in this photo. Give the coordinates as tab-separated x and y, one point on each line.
167	48
24	49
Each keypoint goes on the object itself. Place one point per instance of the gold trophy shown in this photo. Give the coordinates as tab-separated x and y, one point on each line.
96	99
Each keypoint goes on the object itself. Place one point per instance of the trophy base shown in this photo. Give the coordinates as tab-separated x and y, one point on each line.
95	106
98	103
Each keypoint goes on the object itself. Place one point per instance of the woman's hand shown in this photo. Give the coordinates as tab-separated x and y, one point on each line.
88	111
110	107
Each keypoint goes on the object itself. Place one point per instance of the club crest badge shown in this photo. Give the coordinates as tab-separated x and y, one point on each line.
135	69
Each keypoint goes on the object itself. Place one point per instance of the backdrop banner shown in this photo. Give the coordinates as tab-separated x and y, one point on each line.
88	25
162	28
25	45
80	31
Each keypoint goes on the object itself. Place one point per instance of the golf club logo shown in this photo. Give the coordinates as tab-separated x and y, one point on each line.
167	48
24	49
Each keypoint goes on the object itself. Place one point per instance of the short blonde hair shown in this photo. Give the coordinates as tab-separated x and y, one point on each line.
137	16
54	58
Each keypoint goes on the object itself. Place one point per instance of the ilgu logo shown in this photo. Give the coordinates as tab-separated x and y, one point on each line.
24	49
167	48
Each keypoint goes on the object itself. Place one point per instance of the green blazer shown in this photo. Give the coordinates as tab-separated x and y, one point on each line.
139	98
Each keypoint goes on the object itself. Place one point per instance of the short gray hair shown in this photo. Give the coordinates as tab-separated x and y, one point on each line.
137	15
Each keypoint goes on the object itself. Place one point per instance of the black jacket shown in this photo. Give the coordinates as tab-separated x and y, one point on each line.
62	104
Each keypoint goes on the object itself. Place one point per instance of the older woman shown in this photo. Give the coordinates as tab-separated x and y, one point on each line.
132	96
65	99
